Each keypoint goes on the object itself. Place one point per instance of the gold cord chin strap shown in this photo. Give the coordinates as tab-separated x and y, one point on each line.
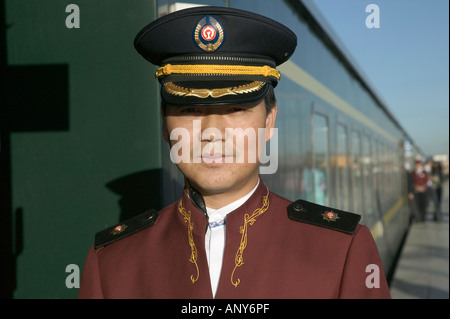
214	69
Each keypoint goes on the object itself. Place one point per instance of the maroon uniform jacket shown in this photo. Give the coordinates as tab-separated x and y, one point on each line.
274	249
420	181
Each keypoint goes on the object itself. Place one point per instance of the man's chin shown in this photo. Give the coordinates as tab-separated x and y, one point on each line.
213	184
212	178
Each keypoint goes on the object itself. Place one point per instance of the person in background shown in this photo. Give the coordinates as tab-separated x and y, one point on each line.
436	179
420	179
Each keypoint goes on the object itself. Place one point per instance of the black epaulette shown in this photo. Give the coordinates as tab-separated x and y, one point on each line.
126	228
322	216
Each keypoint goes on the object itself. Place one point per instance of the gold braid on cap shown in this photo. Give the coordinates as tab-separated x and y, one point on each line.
177	90
214	69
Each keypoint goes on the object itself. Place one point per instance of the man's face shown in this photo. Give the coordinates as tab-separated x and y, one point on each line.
221	155
419	167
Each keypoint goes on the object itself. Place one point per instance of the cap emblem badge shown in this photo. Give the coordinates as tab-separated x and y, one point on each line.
209	34
330	216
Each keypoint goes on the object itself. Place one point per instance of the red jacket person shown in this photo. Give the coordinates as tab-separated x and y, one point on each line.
228	236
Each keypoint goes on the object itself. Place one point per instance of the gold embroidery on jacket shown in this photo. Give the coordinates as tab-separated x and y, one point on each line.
248	220
194	254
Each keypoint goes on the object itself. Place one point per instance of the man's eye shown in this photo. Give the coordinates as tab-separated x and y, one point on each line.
237	109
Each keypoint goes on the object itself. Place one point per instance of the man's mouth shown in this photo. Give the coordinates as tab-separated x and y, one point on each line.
217	158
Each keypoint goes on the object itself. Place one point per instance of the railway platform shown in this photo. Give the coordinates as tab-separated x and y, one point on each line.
423	268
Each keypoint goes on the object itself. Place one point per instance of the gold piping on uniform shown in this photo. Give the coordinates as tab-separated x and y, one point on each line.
194	254
177	90
217	69
248	221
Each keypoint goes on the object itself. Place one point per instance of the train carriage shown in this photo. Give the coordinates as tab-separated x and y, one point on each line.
82	146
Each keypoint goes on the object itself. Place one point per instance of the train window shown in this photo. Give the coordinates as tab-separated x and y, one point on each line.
390	176
376	169
357	184
341	164
398	172
393	172
386	176
315	176
382	182
367	174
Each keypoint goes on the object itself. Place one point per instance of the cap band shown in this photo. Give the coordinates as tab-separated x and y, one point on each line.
210	69
177	90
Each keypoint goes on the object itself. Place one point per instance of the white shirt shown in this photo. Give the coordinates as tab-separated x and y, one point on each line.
215	238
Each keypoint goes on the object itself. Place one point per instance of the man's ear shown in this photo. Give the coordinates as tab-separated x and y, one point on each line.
165	132
270	121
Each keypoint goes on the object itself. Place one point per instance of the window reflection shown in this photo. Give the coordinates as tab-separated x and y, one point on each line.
316	171
342	200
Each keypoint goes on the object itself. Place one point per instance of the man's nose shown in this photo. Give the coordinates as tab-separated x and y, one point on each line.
213	127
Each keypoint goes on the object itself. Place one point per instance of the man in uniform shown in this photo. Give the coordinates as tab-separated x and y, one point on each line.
228	236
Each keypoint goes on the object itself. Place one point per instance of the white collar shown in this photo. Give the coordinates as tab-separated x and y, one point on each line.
220	213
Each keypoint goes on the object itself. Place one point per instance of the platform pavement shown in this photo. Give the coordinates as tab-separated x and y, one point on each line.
423	268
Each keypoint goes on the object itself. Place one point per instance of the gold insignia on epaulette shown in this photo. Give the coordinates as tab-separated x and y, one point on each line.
118	229
330	216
